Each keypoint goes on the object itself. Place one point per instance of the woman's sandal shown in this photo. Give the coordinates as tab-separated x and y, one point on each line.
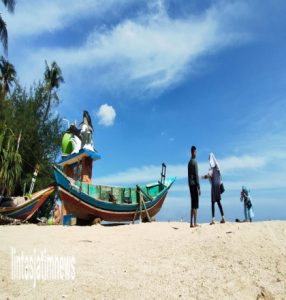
212	223
222	221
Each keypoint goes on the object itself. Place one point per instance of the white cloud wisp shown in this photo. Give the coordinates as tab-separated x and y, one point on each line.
150	173
106	115
147	54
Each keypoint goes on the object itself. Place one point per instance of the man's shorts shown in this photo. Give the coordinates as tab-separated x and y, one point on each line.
194	197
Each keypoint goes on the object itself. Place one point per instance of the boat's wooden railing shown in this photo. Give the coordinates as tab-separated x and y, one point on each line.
122	195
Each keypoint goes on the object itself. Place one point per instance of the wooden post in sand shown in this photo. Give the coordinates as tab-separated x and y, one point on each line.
140	205
147	214
142	201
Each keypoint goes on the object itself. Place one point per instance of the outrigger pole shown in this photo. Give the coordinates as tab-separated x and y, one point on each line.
142	201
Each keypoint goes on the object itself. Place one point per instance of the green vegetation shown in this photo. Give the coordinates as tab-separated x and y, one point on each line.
10	161
7	76
30	131
53	79
22	113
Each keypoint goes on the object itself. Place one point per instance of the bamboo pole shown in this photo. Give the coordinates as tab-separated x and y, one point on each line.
149	219
142	201
140	205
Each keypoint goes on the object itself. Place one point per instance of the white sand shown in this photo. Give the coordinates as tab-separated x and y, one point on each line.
154	261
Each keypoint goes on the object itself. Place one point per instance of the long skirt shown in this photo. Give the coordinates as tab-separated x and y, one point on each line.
215	191
248	212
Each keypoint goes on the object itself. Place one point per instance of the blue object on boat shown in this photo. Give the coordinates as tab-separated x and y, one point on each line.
67	219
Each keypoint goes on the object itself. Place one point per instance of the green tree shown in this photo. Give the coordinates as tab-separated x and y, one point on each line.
11	161
7	76
10	5
40	143
23	111
53	79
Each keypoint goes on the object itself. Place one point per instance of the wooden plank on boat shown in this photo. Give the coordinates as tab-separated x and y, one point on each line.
74	158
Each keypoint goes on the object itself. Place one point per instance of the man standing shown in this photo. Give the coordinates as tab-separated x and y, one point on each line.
194	185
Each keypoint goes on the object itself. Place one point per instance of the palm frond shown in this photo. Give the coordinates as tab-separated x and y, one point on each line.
8	75
3	34
53	78
10	4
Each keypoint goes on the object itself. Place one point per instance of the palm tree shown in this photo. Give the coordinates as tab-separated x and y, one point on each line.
7	75
53	79
10	162
10	5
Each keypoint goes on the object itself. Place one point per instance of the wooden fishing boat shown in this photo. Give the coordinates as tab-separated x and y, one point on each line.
23	209
88	201
91	202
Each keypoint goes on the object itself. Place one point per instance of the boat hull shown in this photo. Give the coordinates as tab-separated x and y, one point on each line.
27	209
85	207
84	211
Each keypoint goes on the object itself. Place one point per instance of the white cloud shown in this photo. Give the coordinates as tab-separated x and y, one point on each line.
143	55
150	173
257	173
235	163
133	175
253	180
106	115
35	17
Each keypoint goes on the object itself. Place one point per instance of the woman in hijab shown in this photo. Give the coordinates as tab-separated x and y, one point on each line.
215	181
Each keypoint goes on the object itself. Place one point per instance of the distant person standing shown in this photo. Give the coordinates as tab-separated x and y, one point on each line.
214	177
194	185
247	204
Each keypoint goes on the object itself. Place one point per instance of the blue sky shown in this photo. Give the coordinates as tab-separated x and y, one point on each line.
160	76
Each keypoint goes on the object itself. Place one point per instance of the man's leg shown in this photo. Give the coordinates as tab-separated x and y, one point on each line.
195	217
192	216
192	205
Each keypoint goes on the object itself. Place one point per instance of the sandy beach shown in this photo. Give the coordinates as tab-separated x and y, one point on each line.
152	261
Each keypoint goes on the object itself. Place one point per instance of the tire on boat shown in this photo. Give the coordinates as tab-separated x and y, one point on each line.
96	221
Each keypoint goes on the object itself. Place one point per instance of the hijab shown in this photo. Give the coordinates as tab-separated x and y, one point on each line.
246	191
213	161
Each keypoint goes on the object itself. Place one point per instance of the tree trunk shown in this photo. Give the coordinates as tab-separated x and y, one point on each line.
48	106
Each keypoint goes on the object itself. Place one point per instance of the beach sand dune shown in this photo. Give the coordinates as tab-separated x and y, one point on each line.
152	261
